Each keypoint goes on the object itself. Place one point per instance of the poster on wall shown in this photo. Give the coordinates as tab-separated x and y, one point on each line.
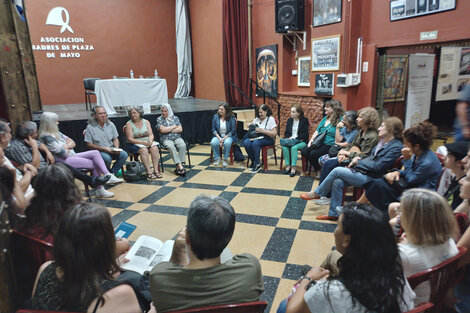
419	88
326	12
303	76
400	9
395	77
324	84
266	70
326	53
454	72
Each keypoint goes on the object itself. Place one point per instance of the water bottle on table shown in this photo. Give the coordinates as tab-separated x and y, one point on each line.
156	73
132	74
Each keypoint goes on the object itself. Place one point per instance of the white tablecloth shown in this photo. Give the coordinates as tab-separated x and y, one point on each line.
112	93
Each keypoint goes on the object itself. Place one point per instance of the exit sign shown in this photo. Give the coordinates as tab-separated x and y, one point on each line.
428	35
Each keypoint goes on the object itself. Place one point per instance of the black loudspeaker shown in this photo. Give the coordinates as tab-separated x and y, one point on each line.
290	15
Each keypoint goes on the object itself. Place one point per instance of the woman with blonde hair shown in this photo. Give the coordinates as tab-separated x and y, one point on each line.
62	146
429	226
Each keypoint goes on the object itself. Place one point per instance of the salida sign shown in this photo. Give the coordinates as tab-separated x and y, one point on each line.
58	46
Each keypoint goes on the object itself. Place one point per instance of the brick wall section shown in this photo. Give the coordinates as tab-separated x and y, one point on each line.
312	106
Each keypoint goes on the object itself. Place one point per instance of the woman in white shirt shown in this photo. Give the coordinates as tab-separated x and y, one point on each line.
429	225
266	129
370	276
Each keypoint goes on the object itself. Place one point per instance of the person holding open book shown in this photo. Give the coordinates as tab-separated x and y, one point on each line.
195	275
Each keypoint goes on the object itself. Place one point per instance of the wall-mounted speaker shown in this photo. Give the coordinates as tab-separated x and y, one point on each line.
290	15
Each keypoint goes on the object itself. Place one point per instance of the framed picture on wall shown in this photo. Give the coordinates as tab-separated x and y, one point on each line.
326	12
400	9
326	53
266	70
396	68
303	72
325	84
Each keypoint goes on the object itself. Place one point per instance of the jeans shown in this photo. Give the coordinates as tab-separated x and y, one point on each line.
227	146
120	160
253	148
282	306
339	178
313	155
329	165
290	153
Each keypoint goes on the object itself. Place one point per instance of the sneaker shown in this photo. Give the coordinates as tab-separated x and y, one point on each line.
256	169
114	180
323	201
98	181
103	193
318	175
216	162
224	163
251	166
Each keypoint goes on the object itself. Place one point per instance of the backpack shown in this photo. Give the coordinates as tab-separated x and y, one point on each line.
237	154
135	171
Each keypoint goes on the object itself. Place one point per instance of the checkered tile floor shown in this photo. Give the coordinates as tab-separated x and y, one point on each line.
273	223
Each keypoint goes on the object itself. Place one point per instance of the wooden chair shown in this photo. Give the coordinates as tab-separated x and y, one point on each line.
264	152
28	254
441	277
220	149
422	308
248	307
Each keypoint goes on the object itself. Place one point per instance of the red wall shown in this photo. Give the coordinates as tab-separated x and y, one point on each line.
138	35
206	40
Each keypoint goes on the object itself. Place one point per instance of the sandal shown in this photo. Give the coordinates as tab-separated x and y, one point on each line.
158	175
152	176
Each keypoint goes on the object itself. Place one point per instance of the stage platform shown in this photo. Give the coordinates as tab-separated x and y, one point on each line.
195	116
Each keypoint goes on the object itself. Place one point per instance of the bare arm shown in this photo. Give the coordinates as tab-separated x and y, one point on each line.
338	137
149	128
35	151
465	242
178	255
69	144
116	142
49	157
130	136
297	303
92	146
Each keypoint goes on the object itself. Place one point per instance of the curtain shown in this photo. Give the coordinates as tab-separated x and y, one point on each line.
183	50
235	50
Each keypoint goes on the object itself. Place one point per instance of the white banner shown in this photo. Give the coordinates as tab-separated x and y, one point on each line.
421	67
454	72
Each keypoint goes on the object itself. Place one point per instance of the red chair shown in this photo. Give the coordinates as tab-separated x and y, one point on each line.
441	277
304	160
248	307
220	149
422	308
264	152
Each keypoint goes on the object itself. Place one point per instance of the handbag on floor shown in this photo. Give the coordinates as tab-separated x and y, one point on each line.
135	171
237	154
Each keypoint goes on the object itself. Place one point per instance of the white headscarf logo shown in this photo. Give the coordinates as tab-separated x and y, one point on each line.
55	18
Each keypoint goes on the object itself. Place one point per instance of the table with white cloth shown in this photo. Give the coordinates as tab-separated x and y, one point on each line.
111	93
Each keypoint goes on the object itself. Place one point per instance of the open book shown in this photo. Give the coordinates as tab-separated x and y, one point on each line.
146	252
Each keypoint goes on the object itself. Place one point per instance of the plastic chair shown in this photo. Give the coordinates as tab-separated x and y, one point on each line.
220	149
248	307
264	152
422	308
28	254
89	84
162	147
441	277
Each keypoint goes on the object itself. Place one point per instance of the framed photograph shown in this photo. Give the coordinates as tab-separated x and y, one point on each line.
396	68
303	72
325	84
400	9
326	12
326	53
266	70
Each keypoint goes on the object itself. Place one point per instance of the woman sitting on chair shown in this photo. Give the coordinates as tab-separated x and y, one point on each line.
327	128
224	129
84	276
266	131
295	138
139	136
429	225
170	130
62	146
370	277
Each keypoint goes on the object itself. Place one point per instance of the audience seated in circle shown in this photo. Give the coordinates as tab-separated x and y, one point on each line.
25	149
170	130
194	277
422	168
361	146
11	192
266	131
346	131
333	113
295	138
101	134
84	276
370	277
224	130
140	140
359	170
429	225
62	146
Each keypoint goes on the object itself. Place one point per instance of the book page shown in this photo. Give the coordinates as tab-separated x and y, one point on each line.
163	255
142	253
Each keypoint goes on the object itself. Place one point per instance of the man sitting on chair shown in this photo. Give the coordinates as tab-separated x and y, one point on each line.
195	276
101	134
